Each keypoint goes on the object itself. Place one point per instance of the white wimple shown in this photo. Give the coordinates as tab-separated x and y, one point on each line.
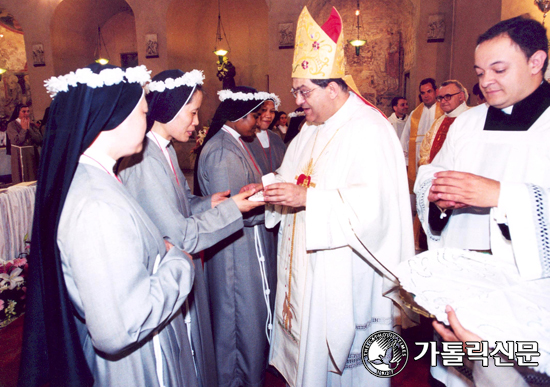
107	77
190	79
240	96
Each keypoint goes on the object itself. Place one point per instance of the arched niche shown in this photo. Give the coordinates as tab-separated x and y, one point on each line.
74	32
191	33
14	84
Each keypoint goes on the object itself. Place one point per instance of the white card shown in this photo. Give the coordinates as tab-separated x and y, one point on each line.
268	179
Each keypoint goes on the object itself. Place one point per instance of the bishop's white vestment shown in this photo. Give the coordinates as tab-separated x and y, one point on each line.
330	286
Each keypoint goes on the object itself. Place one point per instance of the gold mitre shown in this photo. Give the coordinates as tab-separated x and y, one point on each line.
319	51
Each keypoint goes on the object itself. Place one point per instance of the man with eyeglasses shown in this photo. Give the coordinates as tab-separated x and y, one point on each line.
343	205
452	97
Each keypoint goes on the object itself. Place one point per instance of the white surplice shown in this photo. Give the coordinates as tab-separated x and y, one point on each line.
520	161
507	156
398	123
330	288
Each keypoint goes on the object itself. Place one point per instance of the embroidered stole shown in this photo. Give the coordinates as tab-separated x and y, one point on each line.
440	137
415	120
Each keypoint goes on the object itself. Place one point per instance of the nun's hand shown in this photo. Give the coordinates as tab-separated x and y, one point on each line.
253	186
245	205
219	197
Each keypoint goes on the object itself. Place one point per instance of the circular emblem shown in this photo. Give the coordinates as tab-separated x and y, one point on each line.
384	354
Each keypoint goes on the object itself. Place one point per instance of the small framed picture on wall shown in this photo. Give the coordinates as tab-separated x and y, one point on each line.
151	46
38	55
436	28
286	35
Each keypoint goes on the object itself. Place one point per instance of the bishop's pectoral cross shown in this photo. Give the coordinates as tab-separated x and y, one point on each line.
304	179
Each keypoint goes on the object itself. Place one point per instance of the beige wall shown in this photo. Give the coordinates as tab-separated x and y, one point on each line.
119	33
513	8
280	60
191	31
432	59
471	20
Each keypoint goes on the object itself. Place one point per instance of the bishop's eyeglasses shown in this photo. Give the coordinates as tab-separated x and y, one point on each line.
303	93
446	97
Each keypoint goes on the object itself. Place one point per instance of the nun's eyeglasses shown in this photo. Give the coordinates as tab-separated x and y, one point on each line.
303	93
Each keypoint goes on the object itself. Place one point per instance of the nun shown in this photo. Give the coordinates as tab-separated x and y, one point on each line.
267	147
240	271
190	222
105	289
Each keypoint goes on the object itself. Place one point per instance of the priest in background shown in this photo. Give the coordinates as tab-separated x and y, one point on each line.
399	116
418	123
343	204
452	97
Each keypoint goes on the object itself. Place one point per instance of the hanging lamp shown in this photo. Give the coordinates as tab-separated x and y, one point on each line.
544	6
219	47
97	53
357	43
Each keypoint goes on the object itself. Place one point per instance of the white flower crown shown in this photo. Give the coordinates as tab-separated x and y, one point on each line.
107	77
191	79
240	96
296	114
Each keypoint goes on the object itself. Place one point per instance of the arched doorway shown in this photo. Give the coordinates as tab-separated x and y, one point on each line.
74	33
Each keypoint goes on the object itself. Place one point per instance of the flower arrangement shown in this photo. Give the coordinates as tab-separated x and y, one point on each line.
201	134
12	286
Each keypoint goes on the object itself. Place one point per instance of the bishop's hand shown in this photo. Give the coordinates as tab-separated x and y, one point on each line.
286	194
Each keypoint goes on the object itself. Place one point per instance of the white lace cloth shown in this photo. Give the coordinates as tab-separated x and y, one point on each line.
489	297
16	214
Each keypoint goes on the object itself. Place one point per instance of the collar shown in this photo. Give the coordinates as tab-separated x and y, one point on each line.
458	110
233	133
508	110
345	112
157	137
523	113
397	118
263	137
18	120
98	159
